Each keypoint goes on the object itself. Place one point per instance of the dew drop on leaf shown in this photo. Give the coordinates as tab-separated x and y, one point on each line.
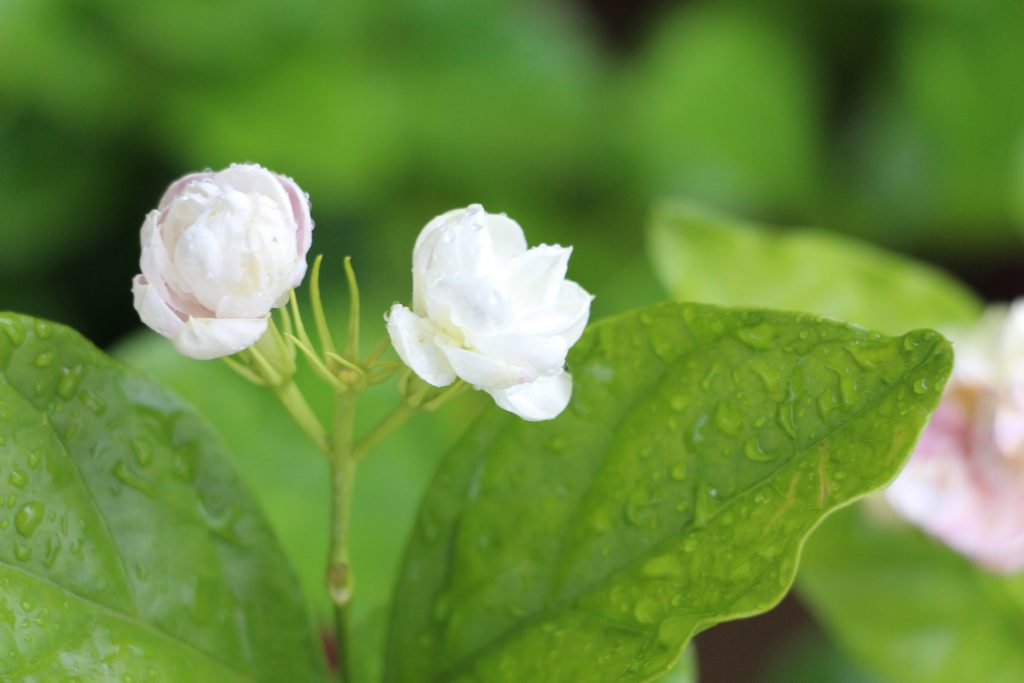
17	478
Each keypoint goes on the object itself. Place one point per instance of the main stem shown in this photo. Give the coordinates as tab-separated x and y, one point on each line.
339	574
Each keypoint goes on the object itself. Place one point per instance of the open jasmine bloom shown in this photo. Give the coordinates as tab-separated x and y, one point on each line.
490	311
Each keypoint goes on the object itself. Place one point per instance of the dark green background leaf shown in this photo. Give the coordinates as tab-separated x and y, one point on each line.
702	255
910	608
701	447
129	549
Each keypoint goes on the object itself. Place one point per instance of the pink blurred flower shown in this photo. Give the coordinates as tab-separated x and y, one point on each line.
965	481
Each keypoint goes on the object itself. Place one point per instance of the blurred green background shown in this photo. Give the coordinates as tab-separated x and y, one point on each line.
899	121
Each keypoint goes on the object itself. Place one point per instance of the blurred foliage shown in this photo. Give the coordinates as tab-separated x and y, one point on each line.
899	120
908	607
810	658
803	270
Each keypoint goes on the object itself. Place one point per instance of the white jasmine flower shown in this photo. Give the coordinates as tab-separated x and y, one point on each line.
218	254
965	481
491	312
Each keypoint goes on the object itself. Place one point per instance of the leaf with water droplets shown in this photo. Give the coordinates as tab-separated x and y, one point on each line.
656	517
117	562
908	607
702	255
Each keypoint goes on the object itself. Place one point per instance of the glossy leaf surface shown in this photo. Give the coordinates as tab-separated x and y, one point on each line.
129	550
910	608
702	255
701	447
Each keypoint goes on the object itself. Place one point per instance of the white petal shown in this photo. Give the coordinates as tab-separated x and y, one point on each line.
543	399
160	272
466	241
180	184
485	372
472	304
545	355
507	238
208	338
413	339
153	310
299	201
567	318
256	180
536	276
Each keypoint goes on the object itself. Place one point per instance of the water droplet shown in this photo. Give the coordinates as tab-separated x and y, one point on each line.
728	419
679	402
646	610
17	478
53	545
921	386
640	509
827	402
22	552
705	383
44	359
860	357
14	331
756	452
662	566
760	337
143	453
69	382
43	329
93	402
139	483
678	472
29	517
33	458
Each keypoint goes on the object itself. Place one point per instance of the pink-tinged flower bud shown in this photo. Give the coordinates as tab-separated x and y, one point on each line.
491	312
965	481
218	254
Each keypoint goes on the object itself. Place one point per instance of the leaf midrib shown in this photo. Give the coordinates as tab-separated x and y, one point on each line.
538	616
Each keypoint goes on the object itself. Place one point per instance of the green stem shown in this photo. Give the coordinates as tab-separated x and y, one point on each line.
383	429
295	403
339	572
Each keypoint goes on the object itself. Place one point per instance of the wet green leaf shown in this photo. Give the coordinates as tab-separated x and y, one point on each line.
129	550
701	447
702	255
910	608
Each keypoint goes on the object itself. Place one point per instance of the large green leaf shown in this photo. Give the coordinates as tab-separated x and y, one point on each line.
701	447
130	551
702	255
910	608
